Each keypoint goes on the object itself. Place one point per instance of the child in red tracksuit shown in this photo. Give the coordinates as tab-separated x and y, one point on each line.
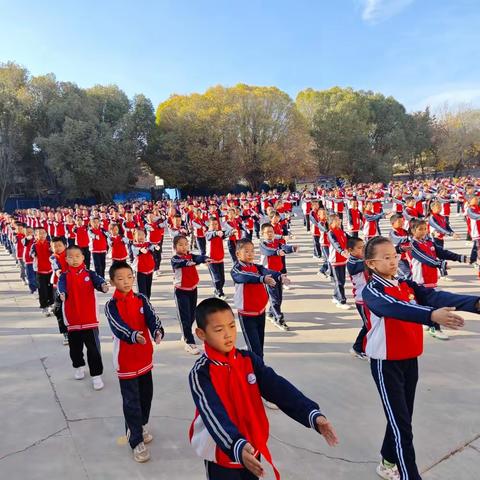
355	219
76	287
118	244
185	281
82	239
41	252
59	265
427	258
338	260
251	296
216	252
273	253
99	248
230	429
28	242
144	263
371	221
134	325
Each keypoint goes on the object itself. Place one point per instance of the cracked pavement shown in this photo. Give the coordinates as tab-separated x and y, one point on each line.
54	426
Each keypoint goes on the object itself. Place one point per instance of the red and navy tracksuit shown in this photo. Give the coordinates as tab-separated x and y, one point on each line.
41	252
398	309
127	315
227	391
82	240
80	316
99	249
59	265
358	276
144	265
251	300
199	228
216	253
401	240
338	243
28	259
185	281
314	220
156	233
271	259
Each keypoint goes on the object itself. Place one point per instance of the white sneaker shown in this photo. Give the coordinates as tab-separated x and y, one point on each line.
65	339
335	301
147	436
287	287
158	273
46	312
141	453
388	473
79	373
192	349
447	279
440	334
97	382
343	306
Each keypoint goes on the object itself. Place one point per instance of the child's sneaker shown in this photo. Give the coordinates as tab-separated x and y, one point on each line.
270	317
446	278
147	436
46	312
343	306
141	453
65	339
158	273
79	373
287	287
97	382
281	324
360	355
192	349
335	301
440	334
388	472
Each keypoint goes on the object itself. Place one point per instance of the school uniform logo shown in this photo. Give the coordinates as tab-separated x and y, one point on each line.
251	378
141	310
87	279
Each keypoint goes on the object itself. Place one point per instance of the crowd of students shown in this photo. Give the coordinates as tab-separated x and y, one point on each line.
394	284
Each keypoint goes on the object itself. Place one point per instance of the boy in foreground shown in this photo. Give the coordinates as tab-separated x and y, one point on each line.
230	429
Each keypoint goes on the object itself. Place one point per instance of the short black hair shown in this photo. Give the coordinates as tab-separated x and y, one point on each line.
243	242
177	239
395	217
266	225
352	242
58	239
118	266
208	306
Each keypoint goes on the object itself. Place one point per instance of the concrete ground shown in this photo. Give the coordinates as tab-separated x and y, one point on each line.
56	427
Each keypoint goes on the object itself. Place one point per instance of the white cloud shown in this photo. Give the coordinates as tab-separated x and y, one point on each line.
451	98
375	11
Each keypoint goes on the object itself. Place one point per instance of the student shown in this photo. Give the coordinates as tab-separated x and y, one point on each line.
199	227
230	428
134	325
118	244
99	246
144	263
355	219
76	287
82	239
215	251
371	221
19	236
273	251
398	309
41	252
59	265
426	260
401	240
28	259
155	227
235	233
338	260
358	276
185	281
251	296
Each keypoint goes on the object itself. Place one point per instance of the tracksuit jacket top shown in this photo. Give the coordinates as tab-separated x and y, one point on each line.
98	239
270	251
128	315
397	309
427	258
250	296
80	306
185	275
144	262
118	244
215	249
358	276
41	253
338	240
440	225
227	391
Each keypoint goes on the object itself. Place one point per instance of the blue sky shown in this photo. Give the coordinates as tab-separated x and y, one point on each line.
420	51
